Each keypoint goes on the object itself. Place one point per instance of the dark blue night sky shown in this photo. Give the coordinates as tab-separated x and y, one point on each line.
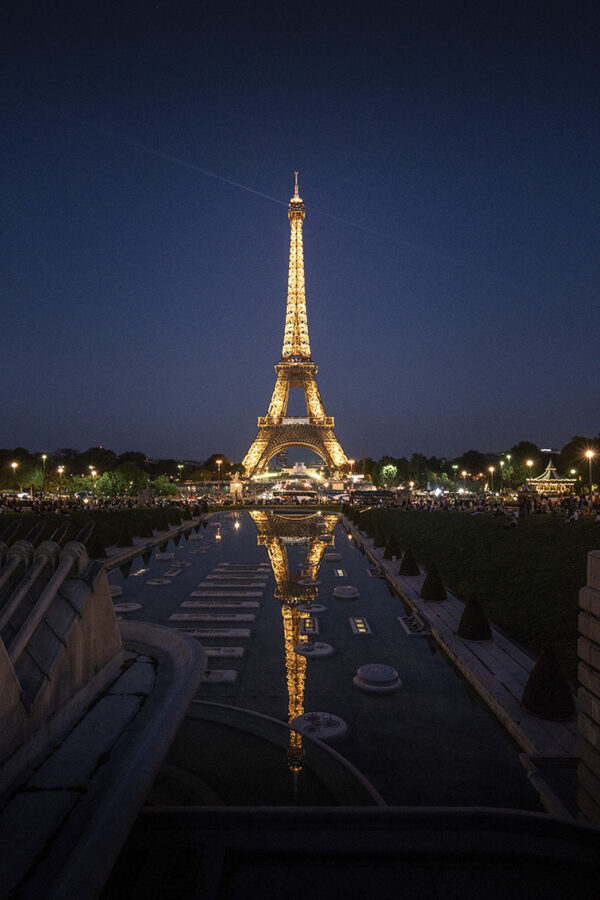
448	156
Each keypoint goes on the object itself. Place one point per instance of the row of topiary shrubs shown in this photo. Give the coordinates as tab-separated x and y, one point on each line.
547	693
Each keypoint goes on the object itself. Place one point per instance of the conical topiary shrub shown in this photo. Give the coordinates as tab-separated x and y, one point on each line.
391	547
125	539
163	523
94	547
145	528
433	587
147	556
408	565
547	693
379	538
474	625
204	523
125	569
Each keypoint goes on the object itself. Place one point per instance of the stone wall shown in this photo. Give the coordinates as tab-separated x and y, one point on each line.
589	692
90	655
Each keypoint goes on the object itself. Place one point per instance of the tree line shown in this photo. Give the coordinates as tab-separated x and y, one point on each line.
111	474
102	471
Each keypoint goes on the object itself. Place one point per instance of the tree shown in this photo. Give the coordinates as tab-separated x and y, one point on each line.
211	463
132	456
110	484
135	479
162	485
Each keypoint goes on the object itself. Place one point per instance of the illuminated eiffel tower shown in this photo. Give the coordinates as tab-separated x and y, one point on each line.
276	431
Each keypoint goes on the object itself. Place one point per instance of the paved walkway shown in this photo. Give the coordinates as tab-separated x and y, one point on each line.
498	670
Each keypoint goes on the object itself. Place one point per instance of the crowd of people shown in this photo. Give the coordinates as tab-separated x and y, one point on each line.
65	505
569	507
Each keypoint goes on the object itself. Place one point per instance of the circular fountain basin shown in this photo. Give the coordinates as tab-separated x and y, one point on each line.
346	592
377	678
321	725
315	650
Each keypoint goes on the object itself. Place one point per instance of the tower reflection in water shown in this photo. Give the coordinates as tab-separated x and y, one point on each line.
296	592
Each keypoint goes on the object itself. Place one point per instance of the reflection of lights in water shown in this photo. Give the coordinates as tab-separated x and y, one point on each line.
139	572
218	536
278	533
349	537
236	525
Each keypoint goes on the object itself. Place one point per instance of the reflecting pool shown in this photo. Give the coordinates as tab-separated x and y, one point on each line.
258	590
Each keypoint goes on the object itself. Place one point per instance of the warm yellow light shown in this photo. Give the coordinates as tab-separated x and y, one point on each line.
94	473
464	473
44	457
14	465
589	454
60	470
411	484
529	463
491	469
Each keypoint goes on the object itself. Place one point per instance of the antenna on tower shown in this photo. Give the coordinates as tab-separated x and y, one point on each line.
296	185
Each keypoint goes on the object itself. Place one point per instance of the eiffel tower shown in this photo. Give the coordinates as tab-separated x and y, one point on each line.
276	431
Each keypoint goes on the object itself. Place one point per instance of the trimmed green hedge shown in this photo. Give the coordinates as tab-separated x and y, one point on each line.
527	578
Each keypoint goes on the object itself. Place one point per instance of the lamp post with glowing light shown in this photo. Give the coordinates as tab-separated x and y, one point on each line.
219	463
351	461
464	478
590	455
13	466
509	457
44	458
501	475
60	471
529	464
491	470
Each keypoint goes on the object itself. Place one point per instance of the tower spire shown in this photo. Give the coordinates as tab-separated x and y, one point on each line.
295	336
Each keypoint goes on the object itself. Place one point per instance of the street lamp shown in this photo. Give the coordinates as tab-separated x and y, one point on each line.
464	476
590	455
44	458
60	471
180	467
501	475
509	457
13	466
93	473
491	470
219	463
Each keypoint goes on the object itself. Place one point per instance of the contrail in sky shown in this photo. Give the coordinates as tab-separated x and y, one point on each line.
176	160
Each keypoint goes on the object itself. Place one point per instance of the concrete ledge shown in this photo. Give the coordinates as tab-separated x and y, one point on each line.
81	851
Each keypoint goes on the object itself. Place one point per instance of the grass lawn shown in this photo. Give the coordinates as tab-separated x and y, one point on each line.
527	578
